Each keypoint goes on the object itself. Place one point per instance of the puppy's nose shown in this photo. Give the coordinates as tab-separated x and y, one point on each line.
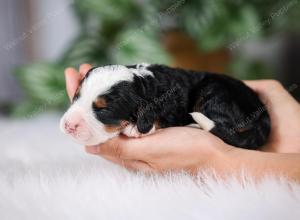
71	127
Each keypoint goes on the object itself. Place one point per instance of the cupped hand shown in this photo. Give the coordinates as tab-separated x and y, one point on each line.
284	113
174	148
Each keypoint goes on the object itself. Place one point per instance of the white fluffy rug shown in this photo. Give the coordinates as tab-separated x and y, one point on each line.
43	175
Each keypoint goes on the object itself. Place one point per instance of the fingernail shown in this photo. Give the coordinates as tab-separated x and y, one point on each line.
68	69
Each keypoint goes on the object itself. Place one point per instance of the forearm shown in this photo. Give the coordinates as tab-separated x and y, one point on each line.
258	164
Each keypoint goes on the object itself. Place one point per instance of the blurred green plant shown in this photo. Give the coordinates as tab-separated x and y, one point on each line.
126	32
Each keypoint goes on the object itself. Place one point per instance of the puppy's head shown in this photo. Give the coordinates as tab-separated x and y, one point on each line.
104	103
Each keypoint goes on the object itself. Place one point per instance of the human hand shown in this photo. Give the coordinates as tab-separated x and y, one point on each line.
174	148
73	78
284	113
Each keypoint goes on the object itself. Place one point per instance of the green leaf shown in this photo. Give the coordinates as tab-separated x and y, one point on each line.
246	69
43	83
139	46
107	9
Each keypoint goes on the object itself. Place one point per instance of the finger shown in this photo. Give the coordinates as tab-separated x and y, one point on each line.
135	165
271	91
92	149
254	84
131	148
114	160
119	147
95	150
72	81
83	69
263	86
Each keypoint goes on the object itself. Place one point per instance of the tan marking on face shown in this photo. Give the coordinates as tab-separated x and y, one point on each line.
112	128
100	102
115	128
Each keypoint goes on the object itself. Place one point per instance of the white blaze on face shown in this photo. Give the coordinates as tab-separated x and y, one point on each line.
79	121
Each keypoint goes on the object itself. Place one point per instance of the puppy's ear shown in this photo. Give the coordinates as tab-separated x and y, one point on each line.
145	122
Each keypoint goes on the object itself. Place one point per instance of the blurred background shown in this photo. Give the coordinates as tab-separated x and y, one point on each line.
39	38
247	39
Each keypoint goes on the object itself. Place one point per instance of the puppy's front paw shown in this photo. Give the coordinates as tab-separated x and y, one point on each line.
132	131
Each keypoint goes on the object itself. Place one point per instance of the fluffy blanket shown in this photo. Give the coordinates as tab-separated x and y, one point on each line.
43	175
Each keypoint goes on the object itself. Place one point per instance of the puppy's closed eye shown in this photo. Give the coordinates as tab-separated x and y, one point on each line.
106	116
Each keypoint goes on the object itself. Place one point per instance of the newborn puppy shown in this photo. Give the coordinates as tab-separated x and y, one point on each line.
136	100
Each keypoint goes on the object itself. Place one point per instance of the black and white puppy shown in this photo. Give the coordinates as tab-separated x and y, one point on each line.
138	99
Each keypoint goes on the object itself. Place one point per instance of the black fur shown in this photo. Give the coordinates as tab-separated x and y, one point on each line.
168	97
